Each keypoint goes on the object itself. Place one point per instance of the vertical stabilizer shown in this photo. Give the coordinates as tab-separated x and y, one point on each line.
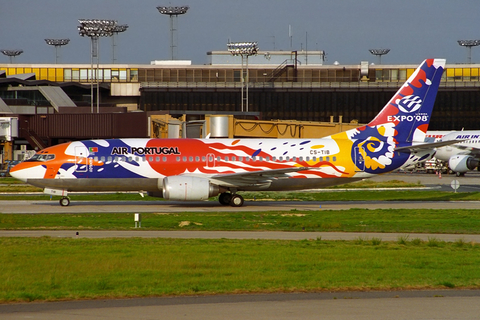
410	109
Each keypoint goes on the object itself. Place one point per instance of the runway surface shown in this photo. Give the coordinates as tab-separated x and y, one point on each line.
242	235
411	305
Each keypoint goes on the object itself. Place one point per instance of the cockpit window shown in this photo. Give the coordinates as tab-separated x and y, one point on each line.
41	157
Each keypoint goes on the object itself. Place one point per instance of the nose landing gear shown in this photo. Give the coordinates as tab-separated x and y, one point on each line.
64	202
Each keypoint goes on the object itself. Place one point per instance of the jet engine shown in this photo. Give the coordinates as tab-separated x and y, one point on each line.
188	188
462	163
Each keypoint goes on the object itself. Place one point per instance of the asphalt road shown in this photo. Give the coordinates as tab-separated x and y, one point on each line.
408	305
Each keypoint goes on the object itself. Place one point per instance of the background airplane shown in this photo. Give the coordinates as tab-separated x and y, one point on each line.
464	155
196	169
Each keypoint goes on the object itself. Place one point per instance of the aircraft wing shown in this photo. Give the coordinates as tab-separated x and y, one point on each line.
426	146
254	178
471	150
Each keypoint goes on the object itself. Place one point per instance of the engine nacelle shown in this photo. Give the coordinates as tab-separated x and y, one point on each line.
462	163
187	188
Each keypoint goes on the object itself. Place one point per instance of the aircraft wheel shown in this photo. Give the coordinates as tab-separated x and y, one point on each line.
64	202
225	198
236	201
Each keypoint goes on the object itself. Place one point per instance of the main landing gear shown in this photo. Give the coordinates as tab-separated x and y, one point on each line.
234	200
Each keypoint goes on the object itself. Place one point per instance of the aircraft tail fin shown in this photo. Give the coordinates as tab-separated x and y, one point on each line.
410	109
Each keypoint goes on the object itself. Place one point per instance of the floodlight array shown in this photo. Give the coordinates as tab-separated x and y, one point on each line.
469	43
242	48
57	42
12	53
96	27
173	10
120	28
379	52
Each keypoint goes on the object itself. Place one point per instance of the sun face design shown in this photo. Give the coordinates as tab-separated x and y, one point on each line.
373	149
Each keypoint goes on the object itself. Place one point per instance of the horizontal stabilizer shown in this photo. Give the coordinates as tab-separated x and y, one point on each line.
426	146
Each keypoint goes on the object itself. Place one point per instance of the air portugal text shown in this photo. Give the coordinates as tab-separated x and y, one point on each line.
145	150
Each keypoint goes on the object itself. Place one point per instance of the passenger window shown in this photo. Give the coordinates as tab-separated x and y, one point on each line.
334	159
226	158
240	159
267	158
197	158
204	158
219	158
234	159
328	159
190	159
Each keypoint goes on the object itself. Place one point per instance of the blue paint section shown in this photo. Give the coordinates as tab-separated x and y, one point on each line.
304	142
256	152
107	169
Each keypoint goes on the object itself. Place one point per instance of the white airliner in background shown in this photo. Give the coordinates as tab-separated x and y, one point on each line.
196	169
464	155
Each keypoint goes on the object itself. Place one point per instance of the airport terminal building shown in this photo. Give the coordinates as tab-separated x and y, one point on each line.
281	85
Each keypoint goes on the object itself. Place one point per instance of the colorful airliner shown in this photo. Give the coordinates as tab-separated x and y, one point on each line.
197	169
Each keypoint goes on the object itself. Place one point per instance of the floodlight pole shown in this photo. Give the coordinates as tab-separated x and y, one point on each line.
379	53
12	54
116	31
95	28
243	49
469	44
57	43
173	12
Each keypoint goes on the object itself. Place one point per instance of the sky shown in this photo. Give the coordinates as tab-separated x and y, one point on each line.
413	30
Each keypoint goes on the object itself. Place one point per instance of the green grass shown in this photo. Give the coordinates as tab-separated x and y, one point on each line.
465	221
54	269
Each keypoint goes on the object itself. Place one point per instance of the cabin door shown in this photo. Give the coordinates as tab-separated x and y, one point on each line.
81	154
359	159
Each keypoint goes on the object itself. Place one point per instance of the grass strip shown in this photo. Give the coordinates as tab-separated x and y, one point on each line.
465	221
54	269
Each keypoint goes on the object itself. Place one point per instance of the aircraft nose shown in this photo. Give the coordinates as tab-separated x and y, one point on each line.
24	171
16	172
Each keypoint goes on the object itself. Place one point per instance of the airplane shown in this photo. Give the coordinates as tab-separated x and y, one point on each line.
464	155
197	169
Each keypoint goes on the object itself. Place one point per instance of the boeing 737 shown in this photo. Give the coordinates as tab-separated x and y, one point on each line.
197	169
464	155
